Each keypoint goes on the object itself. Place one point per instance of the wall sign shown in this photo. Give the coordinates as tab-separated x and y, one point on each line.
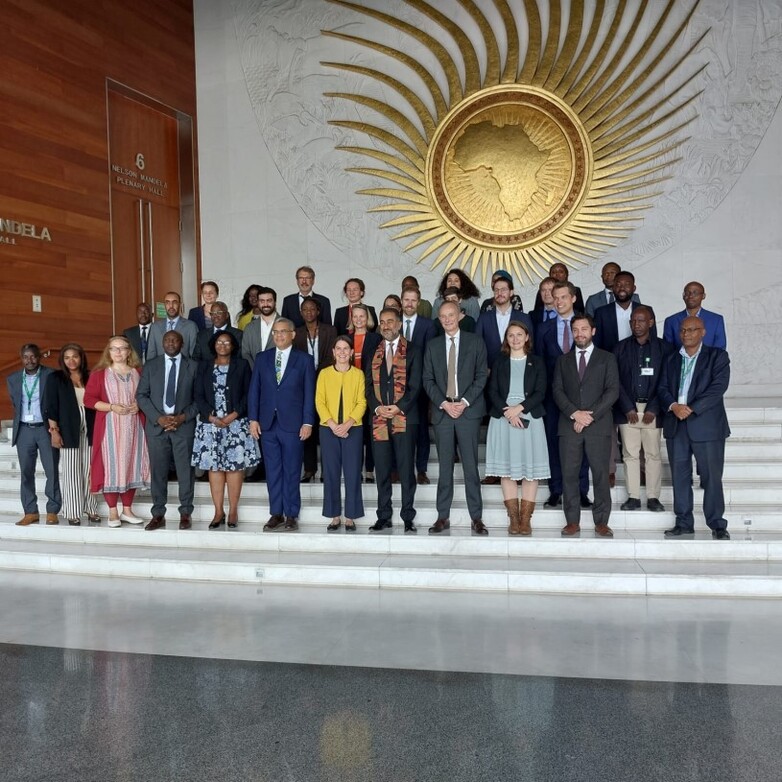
10	229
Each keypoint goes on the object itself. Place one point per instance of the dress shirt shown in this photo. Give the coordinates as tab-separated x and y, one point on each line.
623	321
587	353
503	319
609	294
266	330
31	407
688	370
548	314
171	323
457	338
561	329
167	368
312	346
412	320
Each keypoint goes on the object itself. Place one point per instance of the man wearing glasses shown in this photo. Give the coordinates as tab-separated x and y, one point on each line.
291	305
220	318
692	388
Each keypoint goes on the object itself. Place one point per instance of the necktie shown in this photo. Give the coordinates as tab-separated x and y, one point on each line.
566	337
582	364
143	342
407	329
390	357
450	391
170	325
171	385
278	367
610	297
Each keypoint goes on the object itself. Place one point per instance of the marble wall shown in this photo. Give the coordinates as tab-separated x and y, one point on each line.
275	193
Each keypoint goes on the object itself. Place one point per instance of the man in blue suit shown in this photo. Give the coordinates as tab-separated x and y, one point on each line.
693	295
692	388
281	408
493	323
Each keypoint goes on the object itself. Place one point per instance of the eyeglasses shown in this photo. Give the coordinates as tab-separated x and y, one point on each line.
219	312
282	331
693	330
224	344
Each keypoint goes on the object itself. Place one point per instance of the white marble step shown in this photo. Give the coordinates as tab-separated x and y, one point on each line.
382	570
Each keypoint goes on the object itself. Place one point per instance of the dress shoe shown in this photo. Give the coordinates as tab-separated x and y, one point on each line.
51	519
490	480
369	477
74	522
158	522
553	501
131	518
394	477
585	501
184	521
603	531
307	477
115	522
423	479
478	527
570	531
93	518
335	525
275	523
350	525
380	525
677	532
291	524
410	527
215	523
439	526
720	534
655	505
27	519
612	479
631	503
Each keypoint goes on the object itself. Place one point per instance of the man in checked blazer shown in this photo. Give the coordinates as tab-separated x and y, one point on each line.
585	387
170	426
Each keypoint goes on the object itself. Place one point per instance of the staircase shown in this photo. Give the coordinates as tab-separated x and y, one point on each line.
637	561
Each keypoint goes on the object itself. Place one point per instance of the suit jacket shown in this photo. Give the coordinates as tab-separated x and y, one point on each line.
471	374
292	402
185	327
606	330
202	352
710	379
537	317
598	299
196	314
14	385
341	322
327	337
236	388
407	403
251	341
149	395
577	307
598	392
626	359
371	341
547	347
60	405
133	335
487	329
714	324
423	331
534	386
292	311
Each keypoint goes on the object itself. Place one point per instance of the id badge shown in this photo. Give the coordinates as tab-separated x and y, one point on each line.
29	418
647	371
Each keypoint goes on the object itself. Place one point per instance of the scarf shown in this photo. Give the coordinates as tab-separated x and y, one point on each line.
399	369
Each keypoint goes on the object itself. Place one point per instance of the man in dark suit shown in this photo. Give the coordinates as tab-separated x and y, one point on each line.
317	340
219	314
493	323
547	311
605	296
692	390
166	396
560	273
258	332
393	379
552	340
138	335
30	435
612	321
455	375
281	408
693	296
586	385
173	322
419	331
637	412
291	305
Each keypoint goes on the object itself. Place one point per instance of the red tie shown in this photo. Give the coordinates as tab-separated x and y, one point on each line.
582	365
565	337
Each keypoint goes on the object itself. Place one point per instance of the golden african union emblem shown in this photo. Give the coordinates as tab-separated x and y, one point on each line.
524	161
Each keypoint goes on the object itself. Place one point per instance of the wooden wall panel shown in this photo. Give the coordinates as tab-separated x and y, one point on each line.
55	60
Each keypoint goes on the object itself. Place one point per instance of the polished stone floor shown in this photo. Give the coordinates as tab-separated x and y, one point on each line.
111	679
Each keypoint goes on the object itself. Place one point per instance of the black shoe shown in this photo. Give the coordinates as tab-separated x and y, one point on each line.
630	504
307	477
720	534
655	505
553	501
380	525
585	501
677	532
215	523
410	527
291	524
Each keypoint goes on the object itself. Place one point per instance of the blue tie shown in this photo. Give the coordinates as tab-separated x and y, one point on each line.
143	342
171	385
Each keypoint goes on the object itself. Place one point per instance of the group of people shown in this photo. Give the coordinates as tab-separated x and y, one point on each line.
294	389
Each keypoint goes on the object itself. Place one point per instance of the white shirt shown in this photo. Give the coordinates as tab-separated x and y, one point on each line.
178	363
266	330
587	353
405	319
623	321
687	371
503	319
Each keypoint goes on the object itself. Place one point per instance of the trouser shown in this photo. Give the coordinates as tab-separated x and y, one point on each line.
163	448
634	438
447	433
398	448
573	447
282	453
551	424
75	480
342	456
32	442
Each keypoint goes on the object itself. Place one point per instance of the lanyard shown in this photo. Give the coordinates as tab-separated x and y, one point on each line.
30	392
687	367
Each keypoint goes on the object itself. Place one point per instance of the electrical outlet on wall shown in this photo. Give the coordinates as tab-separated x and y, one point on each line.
36	303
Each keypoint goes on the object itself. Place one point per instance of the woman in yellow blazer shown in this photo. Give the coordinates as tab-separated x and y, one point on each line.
340	399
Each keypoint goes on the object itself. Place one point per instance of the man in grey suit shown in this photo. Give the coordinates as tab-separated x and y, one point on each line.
173	322
258	332
455	375
31	436
586	385
138	335
166	397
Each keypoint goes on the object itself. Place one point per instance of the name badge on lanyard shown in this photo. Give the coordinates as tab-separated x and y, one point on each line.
647	371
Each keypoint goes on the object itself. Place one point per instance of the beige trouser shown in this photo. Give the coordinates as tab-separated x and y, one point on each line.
634	437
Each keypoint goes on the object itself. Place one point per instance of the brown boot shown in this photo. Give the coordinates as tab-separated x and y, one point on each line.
526	509
513	513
